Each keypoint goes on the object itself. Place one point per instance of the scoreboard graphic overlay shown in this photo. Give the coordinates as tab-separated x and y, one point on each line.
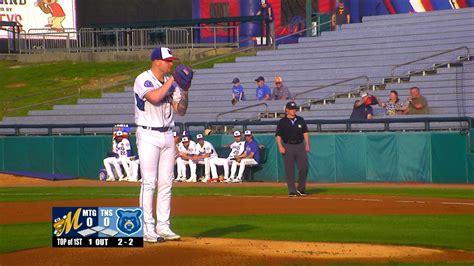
97	227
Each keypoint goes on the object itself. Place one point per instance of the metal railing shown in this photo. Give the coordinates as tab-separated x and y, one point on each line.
317	26
92	40
428	57
243	50
348	123
330	85
242	108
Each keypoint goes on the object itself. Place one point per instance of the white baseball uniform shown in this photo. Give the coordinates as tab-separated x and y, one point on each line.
236	149
242	164
156	149
206	148
181	163
123	149
134	166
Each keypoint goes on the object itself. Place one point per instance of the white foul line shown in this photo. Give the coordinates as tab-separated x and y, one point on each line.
457	203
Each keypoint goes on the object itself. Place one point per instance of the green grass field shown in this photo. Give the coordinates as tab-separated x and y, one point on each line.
67	193
446	231
434	231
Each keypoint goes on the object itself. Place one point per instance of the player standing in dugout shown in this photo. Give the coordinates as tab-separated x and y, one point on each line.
292	138
157	95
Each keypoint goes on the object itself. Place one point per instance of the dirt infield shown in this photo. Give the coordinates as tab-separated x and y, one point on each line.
40	211
220	251
7	180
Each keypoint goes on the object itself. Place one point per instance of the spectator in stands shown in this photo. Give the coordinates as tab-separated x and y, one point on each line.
263	91
280	92
416	103
237	91
363	107
340	16
250	156
267	11
393	106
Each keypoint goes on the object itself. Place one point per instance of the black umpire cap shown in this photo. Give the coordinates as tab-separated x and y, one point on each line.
291	105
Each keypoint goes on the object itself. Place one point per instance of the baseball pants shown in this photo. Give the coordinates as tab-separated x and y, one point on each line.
157	152
221	162
181	165
242	164
134	166
207	167
127	165
115	162
295	154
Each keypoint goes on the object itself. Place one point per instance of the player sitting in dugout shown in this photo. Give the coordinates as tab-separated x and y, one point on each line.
121	155
186	150
250	156
207	151
237	148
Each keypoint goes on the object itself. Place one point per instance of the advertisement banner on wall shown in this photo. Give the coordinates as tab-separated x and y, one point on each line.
35	16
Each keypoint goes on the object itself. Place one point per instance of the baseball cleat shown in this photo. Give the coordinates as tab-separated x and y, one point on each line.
300	193
152	237
167	234
191	180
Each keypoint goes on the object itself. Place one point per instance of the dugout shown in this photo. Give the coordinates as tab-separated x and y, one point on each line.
426	157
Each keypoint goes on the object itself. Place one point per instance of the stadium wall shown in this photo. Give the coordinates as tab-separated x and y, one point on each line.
91	13
428	157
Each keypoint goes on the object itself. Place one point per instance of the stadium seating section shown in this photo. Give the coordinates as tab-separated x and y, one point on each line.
370	48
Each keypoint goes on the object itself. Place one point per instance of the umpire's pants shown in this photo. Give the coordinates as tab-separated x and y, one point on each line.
295	154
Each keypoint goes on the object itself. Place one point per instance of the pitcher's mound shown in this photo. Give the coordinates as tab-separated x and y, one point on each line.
221	251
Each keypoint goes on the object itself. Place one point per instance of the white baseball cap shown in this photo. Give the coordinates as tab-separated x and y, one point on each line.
237	133
363	94
119	133
185	139
248	133
199	136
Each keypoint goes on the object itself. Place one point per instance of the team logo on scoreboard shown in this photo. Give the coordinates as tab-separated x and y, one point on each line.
66	222
129	221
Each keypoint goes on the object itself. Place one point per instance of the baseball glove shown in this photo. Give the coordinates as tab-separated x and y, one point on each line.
183	75
233	101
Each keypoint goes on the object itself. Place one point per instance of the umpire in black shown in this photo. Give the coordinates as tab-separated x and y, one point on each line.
293	143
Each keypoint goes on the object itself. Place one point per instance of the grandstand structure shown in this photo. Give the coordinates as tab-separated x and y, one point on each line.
324	73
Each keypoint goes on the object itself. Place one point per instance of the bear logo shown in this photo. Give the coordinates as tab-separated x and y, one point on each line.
129	221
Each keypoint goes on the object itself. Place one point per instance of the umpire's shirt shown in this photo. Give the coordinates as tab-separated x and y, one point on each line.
291	131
